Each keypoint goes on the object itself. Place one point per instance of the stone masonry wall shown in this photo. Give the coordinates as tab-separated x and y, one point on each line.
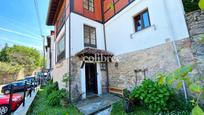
195	22
58	71
160	58
76	92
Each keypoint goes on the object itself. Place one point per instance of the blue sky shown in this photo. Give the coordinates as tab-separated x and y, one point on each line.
18	22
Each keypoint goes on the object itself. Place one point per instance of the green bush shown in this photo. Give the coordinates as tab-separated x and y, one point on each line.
126	93
177	102
55	97
51	87
154	95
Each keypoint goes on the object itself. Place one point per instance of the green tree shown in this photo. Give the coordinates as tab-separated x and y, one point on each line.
23	55
3	54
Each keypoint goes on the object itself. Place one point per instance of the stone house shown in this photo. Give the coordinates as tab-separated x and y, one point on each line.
106	44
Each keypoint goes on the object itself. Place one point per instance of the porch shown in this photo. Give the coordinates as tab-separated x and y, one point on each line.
94	105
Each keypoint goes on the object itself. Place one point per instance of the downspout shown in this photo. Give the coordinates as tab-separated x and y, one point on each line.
174	45
69	17
70	74
104	34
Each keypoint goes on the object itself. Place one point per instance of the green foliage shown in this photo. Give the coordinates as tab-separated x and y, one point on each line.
197	111
54	94
196	88
66	79
126	93
51	87
20	57
201	41
24	56
178	77
118	109
55	97
4	55
177	103
190	5
154	95
201	4
40	107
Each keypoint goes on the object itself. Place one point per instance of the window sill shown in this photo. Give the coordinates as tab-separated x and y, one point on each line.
152	27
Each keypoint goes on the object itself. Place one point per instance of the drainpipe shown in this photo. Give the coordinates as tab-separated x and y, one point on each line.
104	34
174	44
71	5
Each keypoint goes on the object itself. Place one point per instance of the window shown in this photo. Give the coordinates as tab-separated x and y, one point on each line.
142	21
89	36
103	66
89	5
61	49
61	21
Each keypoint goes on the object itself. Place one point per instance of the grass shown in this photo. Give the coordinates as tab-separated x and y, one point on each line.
40	107
118	109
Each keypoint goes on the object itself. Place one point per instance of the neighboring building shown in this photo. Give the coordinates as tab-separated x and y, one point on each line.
142	34
49	47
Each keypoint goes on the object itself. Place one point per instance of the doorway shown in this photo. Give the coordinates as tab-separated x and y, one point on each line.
91	78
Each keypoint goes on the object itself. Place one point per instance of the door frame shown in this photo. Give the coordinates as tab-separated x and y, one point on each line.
83	80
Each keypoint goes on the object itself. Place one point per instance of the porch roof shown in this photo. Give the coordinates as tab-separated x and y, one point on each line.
93	51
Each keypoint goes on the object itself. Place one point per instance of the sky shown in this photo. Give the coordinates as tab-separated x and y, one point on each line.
19	25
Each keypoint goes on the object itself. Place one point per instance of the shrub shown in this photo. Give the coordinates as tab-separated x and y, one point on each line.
126	93
55	97
178	103
51	87
154	95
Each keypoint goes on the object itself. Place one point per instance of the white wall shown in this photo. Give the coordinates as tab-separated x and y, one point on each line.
53	50
120	33
77	33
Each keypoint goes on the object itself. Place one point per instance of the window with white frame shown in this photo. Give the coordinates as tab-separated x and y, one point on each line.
89	36
61	49
89	5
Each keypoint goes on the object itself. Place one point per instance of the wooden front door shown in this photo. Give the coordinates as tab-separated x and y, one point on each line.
91	78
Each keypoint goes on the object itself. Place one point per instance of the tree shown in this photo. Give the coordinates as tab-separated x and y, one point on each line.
3	54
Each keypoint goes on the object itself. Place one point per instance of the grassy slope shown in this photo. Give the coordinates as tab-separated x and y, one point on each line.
40	107
118	110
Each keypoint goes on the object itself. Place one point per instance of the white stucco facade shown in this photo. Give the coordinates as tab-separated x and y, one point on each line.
167	22
77	33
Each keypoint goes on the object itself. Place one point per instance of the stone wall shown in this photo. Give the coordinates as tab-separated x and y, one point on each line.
58	71
76	92
195	22
160	58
